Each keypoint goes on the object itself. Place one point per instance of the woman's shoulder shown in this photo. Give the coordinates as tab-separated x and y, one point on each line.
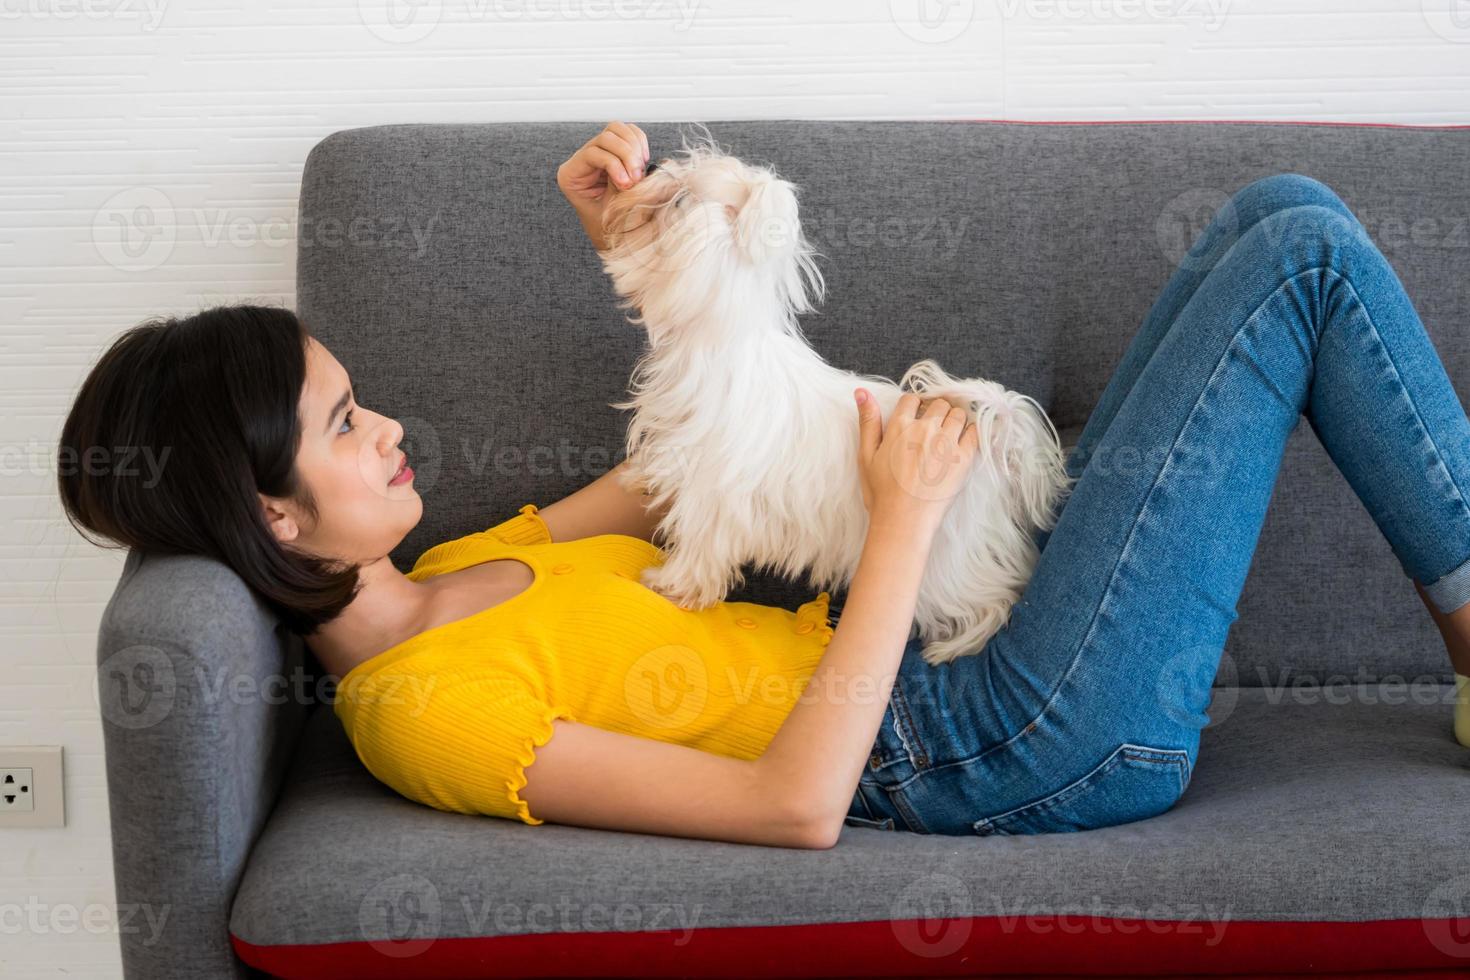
525	529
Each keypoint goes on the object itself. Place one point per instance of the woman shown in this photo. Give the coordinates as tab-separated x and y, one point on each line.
524	668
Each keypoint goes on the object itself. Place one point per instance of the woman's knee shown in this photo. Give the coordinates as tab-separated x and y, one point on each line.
1279	192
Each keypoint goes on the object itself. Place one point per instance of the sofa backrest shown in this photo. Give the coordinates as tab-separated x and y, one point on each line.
442	266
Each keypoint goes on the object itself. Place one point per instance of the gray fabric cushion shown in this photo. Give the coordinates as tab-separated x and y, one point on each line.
1334	805
470	305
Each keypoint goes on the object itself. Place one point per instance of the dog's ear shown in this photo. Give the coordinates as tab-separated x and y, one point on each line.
767	225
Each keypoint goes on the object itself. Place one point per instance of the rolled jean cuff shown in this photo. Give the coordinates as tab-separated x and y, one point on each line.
1450	591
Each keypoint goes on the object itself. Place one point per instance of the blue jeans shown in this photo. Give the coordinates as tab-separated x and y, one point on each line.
1085	711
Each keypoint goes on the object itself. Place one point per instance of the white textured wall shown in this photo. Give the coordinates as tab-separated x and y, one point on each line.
150	153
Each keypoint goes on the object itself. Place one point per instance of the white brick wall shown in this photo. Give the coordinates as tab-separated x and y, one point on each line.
214	106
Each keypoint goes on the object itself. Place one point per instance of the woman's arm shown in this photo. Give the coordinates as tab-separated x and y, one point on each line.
590	777
604	506
588	178
911	472
613	158
820	750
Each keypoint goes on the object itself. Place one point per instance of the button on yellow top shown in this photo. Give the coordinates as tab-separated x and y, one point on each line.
561	569
804	628
746	622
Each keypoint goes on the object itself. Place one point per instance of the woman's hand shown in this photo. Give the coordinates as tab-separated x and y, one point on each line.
612	160
914	468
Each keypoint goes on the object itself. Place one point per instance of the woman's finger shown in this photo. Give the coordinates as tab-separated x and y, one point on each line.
628	132
936	408
870	426
609	165
642	139
627	155
635	136
632	147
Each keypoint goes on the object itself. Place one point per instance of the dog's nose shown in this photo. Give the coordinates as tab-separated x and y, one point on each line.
652	166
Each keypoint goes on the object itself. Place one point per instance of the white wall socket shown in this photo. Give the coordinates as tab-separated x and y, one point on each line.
31	786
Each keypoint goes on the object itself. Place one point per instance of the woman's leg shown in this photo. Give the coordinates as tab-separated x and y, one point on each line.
1238	215
1118	636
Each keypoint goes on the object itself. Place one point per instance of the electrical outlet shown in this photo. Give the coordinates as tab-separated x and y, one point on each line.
15	791
31	786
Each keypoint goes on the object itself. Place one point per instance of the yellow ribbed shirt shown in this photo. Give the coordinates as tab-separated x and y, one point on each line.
451	717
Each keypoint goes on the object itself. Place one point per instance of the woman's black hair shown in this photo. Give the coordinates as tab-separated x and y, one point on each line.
174	431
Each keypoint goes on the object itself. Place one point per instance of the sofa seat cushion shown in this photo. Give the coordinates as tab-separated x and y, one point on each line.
1321	832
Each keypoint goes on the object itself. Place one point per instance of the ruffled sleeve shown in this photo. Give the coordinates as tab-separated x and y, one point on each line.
815	615
459	745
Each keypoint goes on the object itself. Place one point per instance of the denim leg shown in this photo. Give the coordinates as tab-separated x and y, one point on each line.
1238	215
1119	633
1387	413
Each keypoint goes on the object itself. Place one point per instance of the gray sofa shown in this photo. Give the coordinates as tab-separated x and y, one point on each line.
1323	827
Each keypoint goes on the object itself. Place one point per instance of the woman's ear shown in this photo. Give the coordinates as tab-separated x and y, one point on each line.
278	518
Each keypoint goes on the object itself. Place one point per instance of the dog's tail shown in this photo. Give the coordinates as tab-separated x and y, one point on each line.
1019	445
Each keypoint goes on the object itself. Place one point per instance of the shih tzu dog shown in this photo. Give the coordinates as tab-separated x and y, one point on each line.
752	438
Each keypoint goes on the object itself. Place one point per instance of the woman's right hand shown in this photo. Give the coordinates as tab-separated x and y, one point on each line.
609	162
912	469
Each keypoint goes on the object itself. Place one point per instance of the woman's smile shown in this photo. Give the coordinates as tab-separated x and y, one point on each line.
403	474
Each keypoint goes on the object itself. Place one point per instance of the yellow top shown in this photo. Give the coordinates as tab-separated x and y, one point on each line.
452	716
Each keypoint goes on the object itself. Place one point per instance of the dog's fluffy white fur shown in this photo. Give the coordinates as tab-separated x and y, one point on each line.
751	438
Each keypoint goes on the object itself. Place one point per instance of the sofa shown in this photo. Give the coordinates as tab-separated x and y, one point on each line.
1324	823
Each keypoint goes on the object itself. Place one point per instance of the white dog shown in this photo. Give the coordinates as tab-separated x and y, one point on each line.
752	438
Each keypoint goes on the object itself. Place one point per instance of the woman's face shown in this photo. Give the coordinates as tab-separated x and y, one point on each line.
347	457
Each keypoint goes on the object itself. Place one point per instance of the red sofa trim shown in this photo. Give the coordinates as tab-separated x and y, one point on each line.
1210	122
979	946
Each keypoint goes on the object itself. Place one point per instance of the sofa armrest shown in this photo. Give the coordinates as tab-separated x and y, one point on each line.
203	695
